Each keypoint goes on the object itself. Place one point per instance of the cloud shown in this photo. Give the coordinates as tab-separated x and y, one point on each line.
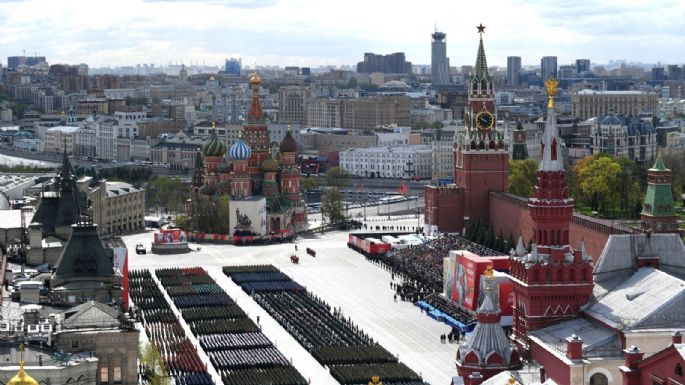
311	32
225	3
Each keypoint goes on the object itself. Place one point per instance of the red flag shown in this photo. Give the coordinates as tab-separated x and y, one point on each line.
403	189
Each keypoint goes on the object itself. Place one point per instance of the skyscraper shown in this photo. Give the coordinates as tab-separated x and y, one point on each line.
233	66
548	66
440	67
513	71
582	65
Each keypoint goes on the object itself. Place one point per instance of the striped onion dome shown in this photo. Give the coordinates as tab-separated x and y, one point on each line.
214	147
270	164
240	150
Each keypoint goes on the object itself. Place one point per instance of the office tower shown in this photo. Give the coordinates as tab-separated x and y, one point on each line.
440	68
548	66
233	66
513	71
582	65
675	72
394	63
659	73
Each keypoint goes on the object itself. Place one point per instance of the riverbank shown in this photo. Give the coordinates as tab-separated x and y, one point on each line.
12	157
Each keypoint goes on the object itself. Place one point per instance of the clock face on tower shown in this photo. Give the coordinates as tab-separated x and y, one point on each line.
485	120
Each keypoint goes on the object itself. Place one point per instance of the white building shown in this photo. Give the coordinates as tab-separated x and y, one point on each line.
56	138
388	162
128	123
105	135
85	141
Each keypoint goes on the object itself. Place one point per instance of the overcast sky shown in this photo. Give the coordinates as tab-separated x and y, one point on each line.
319	32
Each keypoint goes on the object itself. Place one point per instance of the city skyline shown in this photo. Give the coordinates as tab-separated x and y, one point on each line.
309	33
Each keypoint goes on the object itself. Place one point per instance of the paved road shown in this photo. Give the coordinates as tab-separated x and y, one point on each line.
341	277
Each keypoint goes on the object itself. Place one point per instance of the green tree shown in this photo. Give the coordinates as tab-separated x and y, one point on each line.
437	125
223	214
335	177
599	182
332	205
153	364
522	177
310	183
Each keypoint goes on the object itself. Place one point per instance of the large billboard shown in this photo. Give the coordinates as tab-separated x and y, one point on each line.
248	216
464	284
170	236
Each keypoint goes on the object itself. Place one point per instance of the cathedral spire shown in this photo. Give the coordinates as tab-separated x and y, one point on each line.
255	113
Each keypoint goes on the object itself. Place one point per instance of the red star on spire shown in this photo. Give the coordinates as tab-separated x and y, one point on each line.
481	28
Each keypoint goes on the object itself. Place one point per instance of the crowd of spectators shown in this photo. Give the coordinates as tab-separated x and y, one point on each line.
420	266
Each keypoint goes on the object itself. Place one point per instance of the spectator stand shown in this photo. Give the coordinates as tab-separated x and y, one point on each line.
234	344
333	340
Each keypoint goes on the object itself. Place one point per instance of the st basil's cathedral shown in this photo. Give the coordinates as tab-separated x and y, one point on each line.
260	186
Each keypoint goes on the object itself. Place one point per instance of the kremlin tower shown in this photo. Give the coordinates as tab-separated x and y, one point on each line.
658	212
488	351
552	282
481	159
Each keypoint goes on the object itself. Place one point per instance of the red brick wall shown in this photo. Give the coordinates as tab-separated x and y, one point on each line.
555	368
663	368
511	214
444	208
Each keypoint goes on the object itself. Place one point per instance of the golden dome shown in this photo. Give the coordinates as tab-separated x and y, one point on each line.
22	378
255	80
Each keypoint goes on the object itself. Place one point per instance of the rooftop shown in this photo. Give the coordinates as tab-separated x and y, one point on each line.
120	188
63	129
650	298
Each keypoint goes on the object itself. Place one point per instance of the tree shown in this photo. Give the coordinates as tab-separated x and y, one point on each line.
335	177
522	177
153	365
310	183
599	182
332	206
223	215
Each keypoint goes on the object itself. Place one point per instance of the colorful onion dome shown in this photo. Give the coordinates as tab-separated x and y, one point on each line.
270	164
288	144
214	147
240	150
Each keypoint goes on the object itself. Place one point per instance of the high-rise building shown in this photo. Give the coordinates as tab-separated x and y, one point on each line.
548	66
582	65
292	104
513	71
675	72
440	65
659	73
394	63
233	66
13	62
